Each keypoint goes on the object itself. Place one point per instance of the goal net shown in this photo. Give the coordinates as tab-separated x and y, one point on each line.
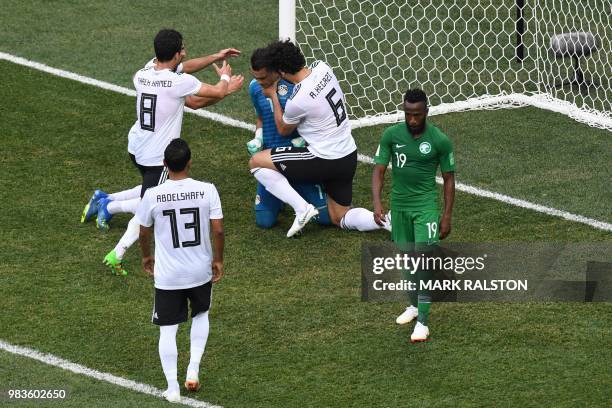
465	54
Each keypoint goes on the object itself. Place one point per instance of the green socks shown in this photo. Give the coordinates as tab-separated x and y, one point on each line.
424	305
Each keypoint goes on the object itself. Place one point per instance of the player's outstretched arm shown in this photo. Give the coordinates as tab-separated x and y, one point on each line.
197	102
197	64
449	200
378	177
220	90
218	236
148	261
235	84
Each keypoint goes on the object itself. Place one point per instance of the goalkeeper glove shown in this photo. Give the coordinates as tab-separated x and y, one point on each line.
298	142
254	145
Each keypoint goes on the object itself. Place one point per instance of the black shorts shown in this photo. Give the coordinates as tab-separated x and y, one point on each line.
170	306
299	164
151	175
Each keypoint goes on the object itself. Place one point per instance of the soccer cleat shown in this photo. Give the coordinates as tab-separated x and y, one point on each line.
104	216
172	396
387	222
91	208
192	383
115	264
409	315
420	333
301	220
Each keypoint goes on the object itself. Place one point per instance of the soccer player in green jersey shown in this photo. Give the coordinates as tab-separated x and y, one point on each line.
415	149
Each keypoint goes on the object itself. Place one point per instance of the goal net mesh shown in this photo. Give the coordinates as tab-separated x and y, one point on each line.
462	53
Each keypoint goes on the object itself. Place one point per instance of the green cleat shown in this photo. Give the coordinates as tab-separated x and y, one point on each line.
115	264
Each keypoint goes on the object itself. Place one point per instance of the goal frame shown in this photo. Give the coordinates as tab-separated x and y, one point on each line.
540	99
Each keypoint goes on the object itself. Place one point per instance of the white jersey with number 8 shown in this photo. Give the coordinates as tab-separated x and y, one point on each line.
159	111
317	107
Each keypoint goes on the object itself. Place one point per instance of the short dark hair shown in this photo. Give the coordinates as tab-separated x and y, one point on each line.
167	42
260	59
415	95
285	56
176	155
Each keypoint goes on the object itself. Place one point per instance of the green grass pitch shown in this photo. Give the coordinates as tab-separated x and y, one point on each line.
287	326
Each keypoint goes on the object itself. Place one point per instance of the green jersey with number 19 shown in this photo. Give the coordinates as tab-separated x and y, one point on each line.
414	163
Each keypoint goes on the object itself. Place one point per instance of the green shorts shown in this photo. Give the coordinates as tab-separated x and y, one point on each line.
415	230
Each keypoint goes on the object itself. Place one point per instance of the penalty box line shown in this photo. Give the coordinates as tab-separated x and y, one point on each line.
55	361
226	120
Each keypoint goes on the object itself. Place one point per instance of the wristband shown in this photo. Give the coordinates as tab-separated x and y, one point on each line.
224	77
259	133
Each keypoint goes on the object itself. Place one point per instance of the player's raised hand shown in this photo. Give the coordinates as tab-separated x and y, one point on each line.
148	265
270	91
235	83
379	214
217	270
227	53
224	69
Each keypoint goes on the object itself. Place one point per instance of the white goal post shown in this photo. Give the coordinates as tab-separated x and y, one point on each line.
466	54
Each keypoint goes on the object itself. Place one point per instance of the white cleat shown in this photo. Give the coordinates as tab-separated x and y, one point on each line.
420	333
192	383
387	222
301	220
172	396
409	315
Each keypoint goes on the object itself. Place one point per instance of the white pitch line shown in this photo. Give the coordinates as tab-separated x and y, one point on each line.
516	201
531	206
52	360
226	120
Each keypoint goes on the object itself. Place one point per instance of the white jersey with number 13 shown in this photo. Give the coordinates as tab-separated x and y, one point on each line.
180	211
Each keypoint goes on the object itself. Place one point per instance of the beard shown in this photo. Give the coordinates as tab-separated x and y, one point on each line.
417	130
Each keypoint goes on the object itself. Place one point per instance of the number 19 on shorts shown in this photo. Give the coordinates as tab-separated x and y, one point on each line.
432	230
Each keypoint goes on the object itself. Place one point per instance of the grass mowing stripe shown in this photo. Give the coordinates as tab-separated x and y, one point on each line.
52	360
116	88
289	325
517	202
362	158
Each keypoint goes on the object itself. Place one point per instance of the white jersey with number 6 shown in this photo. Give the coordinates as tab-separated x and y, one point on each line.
180	211
317	107
159	111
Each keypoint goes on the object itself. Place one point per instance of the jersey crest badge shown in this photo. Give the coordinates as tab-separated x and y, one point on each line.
282	89
425	147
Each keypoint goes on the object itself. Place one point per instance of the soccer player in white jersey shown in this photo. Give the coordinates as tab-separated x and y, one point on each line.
182	212
316	109
164	86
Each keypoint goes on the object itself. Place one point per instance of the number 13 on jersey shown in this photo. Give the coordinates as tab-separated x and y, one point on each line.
194	224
